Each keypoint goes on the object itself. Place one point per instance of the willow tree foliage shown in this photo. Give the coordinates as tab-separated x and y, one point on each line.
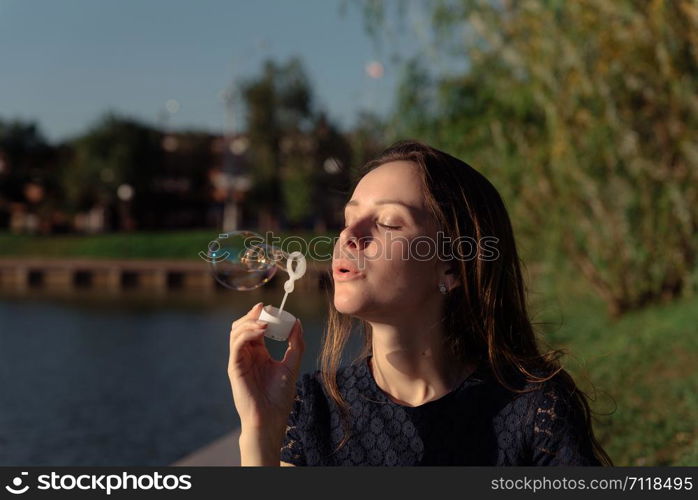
585	114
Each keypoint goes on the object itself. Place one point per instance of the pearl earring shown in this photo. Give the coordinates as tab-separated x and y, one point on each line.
442	288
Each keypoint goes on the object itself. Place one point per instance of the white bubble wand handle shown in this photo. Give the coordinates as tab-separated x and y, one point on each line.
294	273
280	322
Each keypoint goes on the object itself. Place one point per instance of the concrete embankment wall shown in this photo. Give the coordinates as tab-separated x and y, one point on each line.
110	275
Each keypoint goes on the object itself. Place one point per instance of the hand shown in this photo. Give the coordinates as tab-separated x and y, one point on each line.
263	388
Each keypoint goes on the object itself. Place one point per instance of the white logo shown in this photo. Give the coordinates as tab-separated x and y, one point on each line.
17	482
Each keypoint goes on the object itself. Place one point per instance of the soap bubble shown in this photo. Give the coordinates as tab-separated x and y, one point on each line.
241	260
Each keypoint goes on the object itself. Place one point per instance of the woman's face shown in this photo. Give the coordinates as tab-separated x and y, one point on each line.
383	264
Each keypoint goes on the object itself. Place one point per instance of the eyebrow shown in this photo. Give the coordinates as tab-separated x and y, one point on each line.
353	203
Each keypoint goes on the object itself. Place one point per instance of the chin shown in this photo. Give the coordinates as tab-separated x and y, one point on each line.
359	307
346	306
350	303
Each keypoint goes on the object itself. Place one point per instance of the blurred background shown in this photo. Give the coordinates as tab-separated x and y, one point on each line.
133	133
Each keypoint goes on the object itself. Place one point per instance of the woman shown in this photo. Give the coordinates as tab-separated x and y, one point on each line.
450	372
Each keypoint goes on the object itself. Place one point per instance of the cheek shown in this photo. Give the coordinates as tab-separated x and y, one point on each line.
399	272
416	275
395	249
387	259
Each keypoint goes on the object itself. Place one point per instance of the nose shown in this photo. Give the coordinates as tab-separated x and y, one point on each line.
354	237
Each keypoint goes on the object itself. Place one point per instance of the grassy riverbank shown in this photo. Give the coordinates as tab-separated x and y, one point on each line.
641	369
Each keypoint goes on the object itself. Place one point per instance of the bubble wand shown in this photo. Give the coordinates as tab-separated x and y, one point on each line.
240	260
279	321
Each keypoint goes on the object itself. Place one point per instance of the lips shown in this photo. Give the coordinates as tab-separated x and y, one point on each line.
343	269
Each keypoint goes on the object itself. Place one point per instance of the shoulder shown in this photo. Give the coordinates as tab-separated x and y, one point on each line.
550	401
548	392
541	408
555	401
313	406
347	377
559	430
352	380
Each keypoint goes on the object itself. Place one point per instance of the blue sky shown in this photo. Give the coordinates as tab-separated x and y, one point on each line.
64	63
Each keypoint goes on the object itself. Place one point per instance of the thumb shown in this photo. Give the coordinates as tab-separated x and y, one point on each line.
296	346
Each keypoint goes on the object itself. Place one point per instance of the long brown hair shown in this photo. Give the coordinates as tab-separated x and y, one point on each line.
486	318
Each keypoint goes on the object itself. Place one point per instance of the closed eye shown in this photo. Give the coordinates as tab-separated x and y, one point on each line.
386	226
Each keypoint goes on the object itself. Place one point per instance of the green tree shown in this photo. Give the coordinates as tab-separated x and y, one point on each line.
585	115
369	136
24	152
30	173
114	152
279	111
332	159
300	158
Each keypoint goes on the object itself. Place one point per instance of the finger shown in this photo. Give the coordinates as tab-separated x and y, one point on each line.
296	346
253	313
245	326
242	359
249	336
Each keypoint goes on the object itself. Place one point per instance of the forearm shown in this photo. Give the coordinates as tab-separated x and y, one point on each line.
260	449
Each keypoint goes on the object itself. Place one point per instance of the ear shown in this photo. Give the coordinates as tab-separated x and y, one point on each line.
448	274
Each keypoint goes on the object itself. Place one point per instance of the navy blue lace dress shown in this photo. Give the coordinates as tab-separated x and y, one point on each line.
478	423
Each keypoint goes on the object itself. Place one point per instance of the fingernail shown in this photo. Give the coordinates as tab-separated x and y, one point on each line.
261	323
258	304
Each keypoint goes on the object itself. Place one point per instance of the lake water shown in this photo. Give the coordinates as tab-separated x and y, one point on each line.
131	379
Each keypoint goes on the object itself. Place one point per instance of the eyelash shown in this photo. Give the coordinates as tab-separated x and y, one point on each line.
382	225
